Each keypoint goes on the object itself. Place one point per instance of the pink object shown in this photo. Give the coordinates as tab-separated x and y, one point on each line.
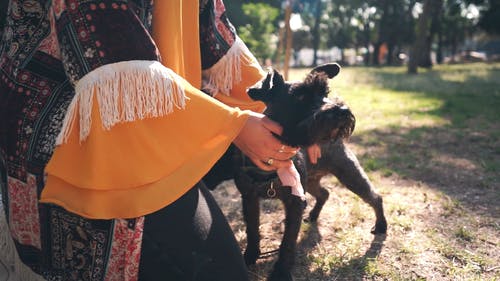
290	177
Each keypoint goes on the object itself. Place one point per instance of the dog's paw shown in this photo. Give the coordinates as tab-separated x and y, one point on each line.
380	227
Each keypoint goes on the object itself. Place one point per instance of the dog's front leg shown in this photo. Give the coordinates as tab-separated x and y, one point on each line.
251	215
318	192
294	209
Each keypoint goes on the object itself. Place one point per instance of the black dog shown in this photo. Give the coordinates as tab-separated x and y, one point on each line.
307	117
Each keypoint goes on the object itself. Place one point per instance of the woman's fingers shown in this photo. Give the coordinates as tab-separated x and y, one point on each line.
283	155
314	152
256	140
277	164
279	150
272	126
262	165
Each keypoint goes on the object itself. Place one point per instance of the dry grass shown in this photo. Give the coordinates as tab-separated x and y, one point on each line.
430	144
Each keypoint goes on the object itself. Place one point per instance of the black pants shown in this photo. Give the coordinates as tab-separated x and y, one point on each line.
190	240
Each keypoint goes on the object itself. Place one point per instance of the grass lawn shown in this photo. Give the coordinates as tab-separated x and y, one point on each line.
430	143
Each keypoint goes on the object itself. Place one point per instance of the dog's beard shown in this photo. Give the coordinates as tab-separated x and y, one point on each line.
330	123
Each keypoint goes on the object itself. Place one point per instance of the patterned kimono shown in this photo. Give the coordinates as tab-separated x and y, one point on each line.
75	73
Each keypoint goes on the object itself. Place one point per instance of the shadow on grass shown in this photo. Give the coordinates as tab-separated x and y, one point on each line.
467	92
461	158
310	237
358	268
360	265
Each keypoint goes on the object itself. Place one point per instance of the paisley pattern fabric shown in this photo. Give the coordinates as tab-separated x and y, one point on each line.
217	34
46	47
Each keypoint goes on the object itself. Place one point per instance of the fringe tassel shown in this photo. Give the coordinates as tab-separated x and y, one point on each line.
125	91
221	77
17	271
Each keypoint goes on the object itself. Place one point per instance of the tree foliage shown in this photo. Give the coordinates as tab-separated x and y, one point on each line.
490	17
257	32
235	11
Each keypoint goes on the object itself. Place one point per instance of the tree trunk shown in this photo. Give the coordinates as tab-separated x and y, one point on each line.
423	28
281	46
376	51
288	42
439	32
390	54
367	43
436	8
425	60
315	34
439	53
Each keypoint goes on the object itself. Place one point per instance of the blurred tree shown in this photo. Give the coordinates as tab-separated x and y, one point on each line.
357	23
236	14
365	18
394	28
425	60
455	27
489	20
317	11
311	12
335	23
302	38
368	26
422	33
344	27
258	31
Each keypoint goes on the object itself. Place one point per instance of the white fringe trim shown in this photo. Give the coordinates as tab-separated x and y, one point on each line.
125	91
16	270
221	77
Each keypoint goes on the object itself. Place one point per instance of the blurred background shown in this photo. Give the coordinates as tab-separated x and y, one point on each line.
369	32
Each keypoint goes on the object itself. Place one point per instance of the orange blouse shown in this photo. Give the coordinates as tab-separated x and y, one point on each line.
140	166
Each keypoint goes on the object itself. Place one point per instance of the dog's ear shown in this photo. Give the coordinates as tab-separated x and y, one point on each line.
278	81
330	69
263	90
260	91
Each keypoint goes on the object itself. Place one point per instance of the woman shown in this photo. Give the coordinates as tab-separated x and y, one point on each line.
105	135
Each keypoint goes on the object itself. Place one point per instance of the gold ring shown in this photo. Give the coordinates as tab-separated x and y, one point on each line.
270	161
282	149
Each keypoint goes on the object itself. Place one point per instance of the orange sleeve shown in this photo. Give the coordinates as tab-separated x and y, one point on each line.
251	73
139	167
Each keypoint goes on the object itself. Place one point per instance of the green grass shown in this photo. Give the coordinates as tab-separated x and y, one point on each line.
451	94
456	93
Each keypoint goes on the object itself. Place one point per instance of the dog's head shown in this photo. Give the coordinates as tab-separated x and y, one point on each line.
303	108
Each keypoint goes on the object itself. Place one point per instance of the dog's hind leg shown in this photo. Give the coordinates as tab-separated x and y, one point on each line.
294	209
345	166
251	215
318	192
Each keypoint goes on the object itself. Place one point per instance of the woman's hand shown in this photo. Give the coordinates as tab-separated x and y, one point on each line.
256	141
314	152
